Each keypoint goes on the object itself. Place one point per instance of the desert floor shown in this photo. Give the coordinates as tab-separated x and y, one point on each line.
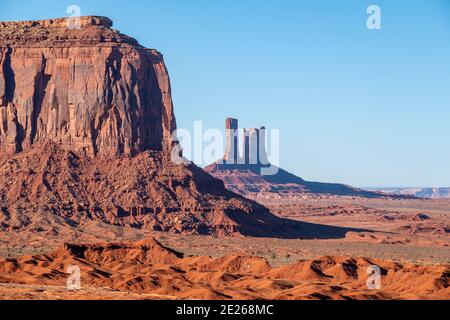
403	231
415	231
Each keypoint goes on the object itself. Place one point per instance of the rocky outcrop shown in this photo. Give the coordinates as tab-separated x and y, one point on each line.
86	124
252	175
91	89
253	145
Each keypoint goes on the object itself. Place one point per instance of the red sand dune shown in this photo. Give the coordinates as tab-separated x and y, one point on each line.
149	267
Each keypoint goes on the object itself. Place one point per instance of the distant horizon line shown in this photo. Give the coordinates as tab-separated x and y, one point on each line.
401	187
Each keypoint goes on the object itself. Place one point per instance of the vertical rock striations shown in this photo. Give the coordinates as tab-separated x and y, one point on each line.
90	89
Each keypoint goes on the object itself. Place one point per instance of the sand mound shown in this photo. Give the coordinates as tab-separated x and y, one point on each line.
148	268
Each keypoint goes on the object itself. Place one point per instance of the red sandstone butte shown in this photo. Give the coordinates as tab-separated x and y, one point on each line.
90	89
86	123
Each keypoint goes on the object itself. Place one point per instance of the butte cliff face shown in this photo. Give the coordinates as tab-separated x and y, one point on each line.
90	89
86	120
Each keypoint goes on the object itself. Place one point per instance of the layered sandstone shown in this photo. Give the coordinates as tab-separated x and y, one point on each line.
90	89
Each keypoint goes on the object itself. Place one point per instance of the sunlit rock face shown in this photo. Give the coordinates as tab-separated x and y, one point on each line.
90	89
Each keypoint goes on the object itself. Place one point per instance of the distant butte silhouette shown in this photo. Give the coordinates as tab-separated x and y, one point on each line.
245	174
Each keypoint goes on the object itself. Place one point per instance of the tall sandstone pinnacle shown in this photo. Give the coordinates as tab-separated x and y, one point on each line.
86	124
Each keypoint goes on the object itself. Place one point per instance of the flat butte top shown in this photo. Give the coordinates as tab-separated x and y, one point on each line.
62	32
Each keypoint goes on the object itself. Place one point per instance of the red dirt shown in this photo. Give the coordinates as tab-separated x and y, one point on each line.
148	268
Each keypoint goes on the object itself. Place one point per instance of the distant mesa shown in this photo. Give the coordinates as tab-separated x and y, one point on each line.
246	173
427	193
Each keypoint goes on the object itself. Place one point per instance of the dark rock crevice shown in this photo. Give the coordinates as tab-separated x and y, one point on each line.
40	87
9	78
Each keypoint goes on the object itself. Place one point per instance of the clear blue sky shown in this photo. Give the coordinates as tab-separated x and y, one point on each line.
367	108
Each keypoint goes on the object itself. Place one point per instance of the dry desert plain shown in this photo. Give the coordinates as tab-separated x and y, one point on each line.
408	239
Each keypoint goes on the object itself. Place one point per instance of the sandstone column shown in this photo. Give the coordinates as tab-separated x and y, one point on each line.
253	146
231	152
262	153
245	146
